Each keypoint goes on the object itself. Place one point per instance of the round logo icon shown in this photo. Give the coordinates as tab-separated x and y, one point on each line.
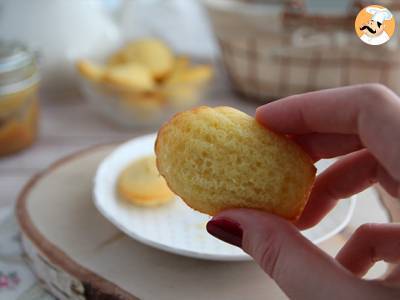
375	25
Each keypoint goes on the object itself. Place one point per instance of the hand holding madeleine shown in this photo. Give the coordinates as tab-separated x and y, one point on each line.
362	123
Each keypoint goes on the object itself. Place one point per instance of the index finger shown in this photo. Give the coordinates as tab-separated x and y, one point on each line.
371	111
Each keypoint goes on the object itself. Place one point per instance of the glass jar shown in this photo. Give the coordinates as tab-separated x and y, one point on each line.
19	106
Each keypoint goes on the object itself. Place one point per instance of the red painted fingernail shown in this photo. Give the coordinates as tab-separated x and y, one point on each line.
226	230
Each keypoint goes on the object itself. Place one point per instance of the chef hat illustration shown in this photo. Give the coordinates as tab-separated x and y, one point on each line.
379	14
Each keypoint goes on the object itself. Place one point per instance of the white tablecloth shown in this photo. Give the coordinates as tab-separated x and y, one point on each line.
16	279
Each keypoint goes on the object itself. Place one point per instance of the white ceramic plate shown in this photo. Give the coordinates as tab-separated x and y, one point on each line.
175	227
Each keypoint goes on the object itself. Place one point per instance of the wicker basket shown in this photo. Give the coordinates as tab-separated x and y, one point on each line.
274	50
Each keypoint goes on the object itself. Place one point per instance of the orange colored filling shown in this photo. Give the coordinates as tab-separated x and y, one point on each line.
19	118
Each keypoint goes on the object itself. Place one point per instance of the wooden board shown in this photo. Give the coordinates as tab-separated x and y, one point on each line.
78	254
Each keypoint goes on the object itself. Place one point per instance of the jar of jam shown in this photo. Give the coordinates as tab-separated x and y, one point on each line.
19	107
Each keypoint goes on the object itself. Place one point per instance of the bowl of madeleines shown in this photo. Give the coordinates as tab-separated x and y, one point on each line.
143	83
162	188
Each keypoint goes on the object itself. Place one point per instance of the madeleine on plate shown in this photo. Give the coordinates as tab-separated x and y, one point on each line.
141	184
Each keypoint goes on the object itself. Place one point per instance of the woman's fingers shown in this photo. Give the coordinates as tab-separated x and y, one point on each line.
301	269
391	185
369	111
393	277
328	145
370	243
328	111
348	176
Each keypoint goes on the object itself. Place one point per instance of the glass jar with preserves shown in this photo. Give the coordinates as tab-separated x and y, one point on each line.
19	105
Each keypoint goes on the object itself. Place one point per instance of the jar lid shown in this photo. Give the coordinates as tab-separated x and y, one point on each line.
18	68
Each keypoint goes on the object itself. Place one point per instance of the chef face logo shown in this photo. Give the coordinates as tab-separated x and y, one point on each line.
375	25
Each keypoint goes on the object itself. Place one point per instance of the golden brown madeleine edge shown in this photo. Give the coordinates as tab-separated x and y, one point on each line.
311	171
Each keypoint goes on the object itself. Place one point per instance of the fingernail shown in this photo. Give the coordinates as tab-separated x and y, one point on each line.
226	230
260	109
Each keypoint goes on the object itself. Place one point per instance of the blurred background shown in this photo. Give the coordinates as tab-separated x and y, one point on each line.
84	72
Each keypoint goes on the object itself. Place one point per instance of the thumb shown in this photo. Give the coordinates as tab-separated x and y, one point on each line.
301	269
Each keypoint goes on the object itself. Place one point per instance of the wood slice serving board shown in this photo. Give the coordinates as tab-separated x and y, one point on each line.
78	254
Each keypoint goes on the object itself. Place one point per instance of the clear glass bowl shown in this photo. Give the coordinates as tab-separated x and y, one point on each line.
149	109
